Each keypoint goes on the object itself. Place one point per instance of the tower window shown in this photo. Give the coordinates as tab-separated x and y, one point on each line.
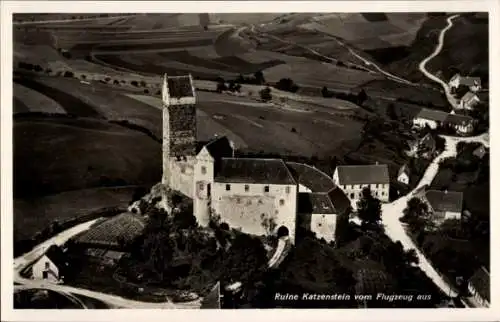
47	265
201	186
352	195
203	170
247	187
266	189
287	189
228	187
282	202
45	275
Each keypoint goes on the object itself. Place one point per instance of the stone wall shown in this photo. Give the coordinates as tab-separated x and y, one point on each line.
182	175
182	130
324	226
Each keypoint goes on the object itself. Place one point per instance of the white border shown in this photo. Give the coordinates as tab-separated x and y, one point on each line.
8	7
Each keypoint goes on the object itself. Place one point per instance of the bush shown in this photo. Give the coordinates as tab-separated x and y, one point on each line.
69	74
143	83
107	79
287	84
265	94
116	82
146	91
48	71
83	76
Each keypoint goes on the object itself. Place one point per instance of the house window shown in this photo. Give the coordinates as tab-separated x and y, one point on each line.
47	265
260	202
282	202
203	170
228	187
319	225
376	186
266	189
287	189
183	170
45	274
247	187
352	195
238	200
201	186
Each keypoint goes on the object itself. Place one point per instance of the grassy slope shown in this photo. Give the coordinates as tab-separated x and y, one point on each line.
33	215
52	156
465	48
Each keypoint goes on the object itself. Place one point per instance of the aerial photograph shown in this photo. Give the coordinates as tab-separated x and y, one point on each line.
251	160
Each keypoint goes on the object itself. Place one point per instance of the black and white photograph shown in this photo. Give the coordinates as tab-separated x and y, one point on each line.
249	160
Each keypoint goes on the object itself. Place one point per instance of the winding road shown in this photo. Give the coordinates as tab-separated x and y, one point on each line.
439	47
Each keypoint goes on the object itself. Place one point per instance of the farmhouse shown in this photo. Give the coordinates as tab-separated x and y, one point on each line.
257	195
479	287
443	204
468	101
434	119
404	174
353	178
52	265
474	83
431	118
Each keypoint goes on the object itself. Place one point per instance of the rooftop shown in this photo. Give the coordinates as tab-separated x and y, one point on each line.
315	203
179	86
404	169
458	119
57	256
363	174
311	177
481	282
220	148
430	114
256	171
339	200
451	201
469	96
470	81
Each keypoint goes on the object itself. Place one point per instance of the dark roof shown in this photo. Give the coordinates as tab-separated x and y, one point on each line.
310	177
314	203
363	174
57	256
458	119
445	200
404	169
220	148
481	282
479	152
428	141
470	81
339	200
434	115
179	86
250	170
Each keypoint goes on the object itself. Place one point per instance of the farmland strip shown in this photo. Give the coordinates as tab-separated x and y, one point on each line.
71	104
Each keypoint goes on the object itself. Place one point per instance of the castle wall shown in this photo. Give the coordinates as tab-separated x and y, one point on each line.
247	208
204	178
182	175
324	226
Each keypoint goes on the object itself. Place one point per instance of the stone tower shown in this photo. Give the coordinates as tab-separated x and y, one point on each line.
179	133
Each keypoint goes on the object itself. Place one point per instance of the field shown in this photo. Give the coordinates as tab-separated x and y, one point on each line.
28	100
32	215
76	154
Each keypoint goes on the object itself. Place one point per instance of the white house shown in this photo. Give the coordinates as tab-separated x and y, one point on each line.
479	287
468	101
462	124
352	179
404	174
430	118
51	266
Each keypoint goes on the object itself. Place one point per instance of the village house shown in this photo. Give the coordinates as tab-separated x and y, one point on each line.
468	101
257	195
473	83
443	205
480	152
479	287
352	179
431	118
424	147
51	266
404	174
434	119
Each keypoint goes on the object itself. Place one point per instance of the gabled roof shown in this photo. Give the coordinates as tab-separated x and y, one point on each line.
315	203
458	119
363	174
250	170
470	81
404	169
434	115
57	256
339	200
468	97
455	77
310	177
451	201
180	86
220	148
481	282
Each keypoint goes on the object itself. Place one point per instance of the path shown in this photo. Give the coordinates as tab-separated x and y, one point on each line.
436	52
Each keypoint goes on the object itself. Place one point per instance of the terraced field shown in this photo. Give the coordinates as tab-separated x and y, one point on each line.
29	100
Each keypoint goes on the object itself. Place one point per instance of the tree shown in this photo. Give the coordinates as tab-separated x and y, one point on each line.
362	97
325	92
68	73
259	78
265	94
391	112
287	84
221	85
134	83
417	215
369	209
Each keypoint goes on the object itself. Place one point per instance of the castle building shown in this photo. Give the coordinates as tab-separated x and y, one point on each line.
256	195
